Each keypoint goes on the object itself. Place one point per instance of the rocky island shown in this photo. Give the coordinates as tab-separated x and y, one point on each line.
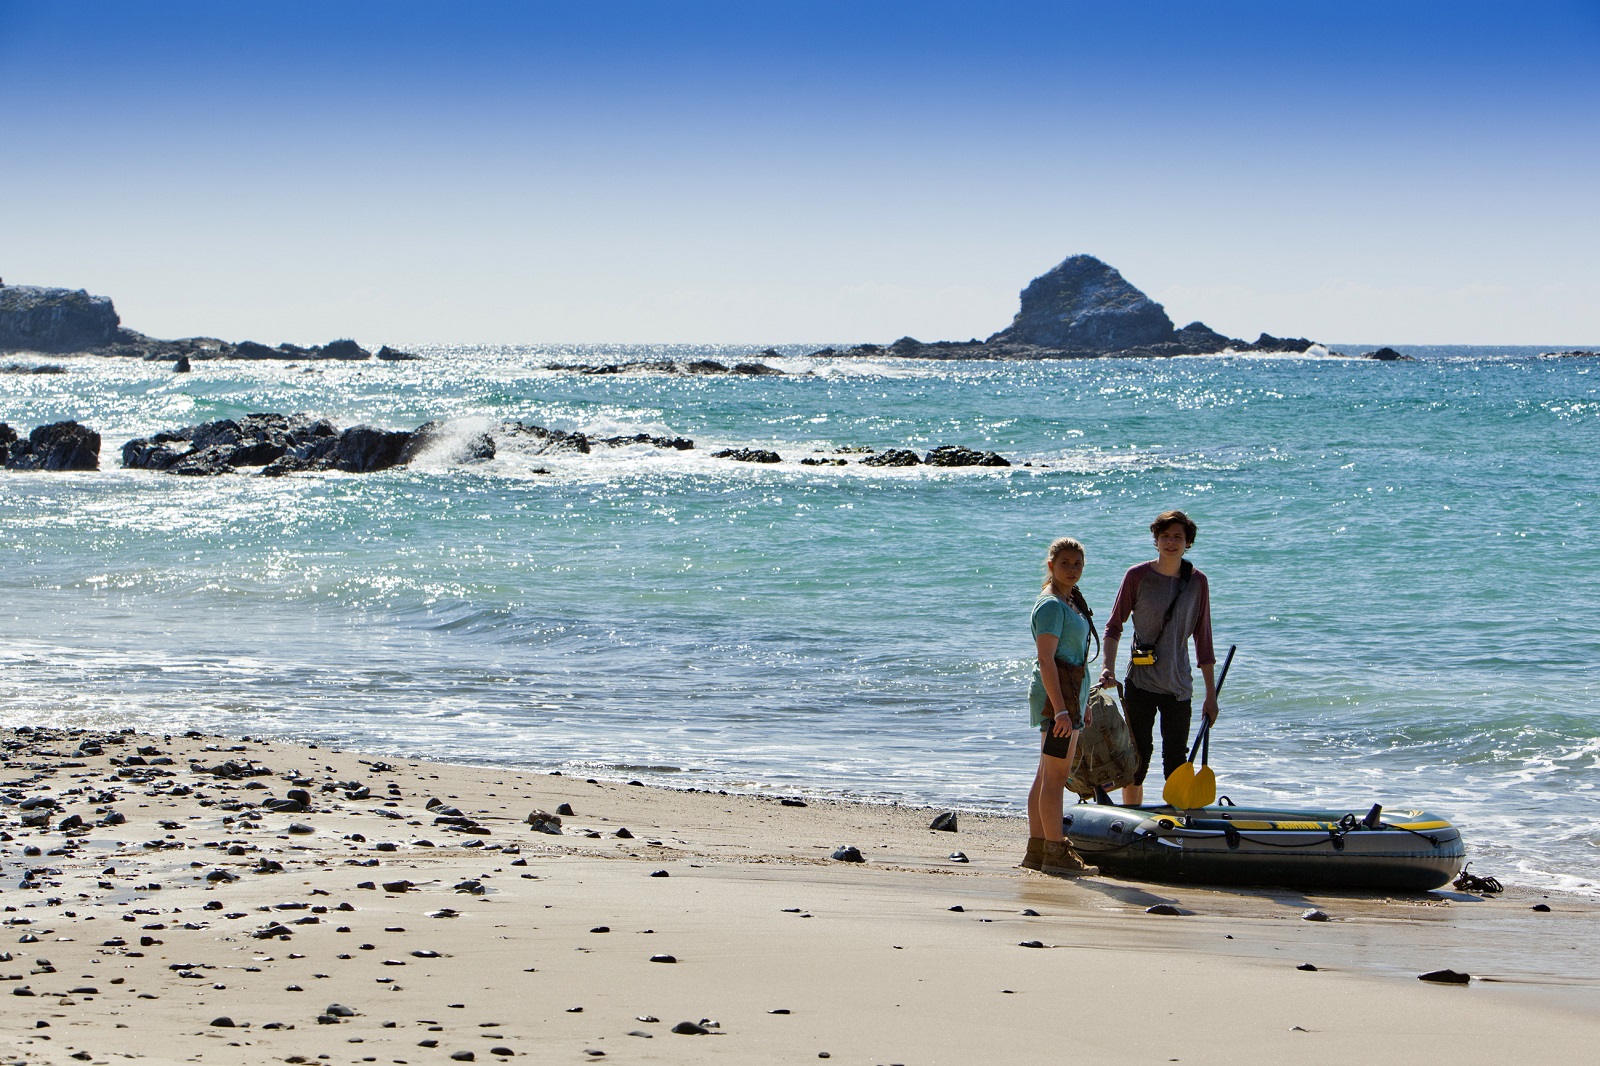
71	321
1085	309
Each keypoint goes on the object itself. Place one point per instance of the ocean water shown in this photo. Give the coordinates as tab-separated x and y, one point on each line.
1400	551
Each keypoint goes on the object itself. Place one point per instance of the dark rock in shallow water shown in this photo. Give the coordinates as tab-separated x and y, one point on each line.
1083	303
364	449
182	365
1387	355
893	457
59	446
955	455
341	349
665	366
27	368
681	444
1268	343
221	446
395	355
546	440
748	455
37	319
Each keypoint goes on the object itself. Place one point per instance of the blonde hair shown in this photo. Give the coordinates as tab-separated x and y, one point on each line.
1059	547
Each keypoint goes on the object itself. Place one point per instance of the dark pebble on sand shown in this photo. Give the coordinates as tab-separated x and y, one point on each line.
793	803
565	809
959	909
463	1056
428	1043
959	856
781	1010
663	958
690	1029
223	1022
601	929
1162	908
1446	977
1306	966
1029	912
848	853
1314	915
623	834
1540	907
660	873
641	1032
1031	944
945	823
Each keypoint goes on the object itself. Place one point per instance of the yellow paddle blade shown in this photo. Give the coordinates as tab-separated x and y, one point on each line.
1203	792
1180	787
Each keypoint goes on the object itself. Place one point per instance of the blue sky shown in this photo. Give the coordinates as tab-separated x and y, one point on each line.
771	172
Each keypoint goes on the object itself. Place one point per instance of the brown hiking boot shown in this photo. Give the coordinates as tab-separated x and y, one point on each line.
1060	860
1034	859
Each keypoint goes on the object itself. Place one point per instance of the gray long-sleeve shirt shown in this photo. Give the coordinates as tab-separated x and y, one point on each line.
1145	594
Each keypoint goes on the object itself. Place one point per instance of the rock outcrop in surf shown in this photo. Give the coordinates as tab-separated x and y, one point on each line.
1082	308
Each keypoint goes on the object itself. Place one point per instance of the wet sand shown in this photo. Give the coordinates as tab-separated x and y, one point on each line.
411	914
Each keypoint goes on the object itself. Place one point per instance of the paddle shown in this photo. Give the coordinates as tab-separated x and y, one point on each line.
1187	789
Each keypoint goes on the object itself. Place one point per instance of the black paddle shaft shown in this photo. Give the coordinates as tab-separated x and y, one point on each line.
1202	740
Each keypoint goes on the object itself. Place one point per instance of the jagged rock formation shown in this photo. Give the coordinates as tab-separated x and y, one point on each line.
1083	304
35	319
59	446
63	321
1081	309
667	366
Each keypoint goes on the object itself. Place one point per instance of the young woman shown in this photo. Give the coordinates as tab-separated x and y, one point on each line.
1169	601
1059	691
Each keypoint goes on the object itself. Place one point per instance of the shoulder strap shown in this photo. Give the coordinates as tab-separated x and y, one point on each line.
1185	572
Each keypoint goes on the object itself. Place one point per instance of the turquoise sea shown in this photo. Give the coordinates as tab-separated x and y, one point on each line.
1400	551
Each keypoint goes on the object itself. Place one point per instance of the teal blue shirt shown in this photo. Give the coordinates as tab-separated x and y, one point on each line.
1053	615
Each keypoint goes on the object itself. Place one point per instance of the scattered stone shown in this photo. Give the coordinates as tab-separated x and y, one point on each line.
945	823
1447	977
565	810
1313	915
956	455
543	822
690	1029
848	853
223	1022
893	457
623	834
748	455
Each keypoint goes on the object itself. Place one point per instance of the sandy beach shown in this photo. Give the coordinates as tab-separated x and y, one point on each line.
167	900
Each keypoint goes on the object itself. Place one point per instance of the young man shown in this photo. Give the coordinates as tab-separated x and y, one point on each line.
1170	602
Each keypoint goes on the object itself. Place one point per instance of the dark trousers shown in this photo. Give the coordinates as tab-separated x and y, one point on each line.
1141	708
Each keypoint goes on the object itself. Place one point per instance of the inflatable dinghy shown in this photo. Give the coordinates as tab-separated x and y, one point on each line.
1227	845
